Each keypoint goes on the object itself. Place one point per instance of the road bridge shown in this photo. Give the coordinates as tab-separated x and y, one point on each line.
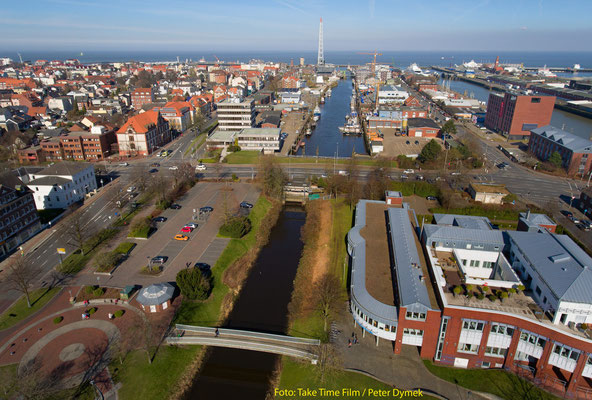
245	340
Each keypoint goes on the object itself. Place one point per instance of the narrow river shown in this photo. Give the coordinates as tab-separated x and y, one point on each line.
561	119
262	306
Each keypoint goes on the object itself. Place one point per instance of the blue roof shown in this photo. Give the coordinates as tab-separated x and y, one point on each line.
565	139
562	265
372	307
463	221
412	290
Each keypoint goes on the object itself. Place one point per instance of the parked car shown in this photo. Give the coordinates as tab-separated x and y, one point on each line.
584	225
179	236
202	266
153	170
407	142
244	204
409	171
431	198
187	229
455	173
123	164
403	176
155	164
567	213
200	167
192	225
419	177
417	142
131	189
158	260
173	168
159	219
175	206
573	219
206	209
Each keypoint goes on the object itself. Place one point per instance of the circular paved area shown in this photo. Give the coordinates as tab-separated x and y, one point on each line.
72	352
59	348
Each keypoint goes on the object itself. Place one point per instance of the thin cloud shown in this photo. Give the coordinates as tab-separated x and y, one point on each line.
291	6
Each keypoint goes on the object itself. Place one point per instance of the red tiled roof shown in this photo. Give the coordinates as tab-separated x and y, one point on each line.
140	123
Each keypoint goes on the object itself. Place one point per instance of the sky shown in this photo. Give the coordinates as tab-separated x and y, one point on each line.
289	25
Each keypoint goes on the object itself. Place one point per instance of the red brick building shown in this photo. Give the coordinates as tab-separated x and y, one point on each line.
142	134
142	96
575	151
516	115
31	155
422	127
290	82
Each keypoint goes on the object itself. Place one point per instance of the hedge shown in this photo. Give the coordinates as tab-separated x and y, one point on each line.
57	320
119	313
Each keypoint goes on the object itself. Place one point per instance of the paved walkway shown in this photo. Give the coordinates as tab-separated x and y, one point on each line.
405	371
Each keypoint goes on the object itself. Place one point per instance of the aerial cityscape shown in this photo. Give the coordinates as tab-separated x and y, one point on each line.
290	200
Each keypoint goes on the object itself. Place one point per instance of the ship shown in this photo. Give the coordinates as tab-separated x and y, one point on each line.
351	124
577	67
322	100
329	93
316	113
308	132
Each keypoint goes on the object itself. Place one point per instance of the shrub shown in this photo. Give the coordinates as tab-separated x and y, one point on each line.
491	297
92	310
480	296
512	290
236	227
99	292
456	290
470	295
141	228
233	148
484	289
521	288
194	284
469	287
89	289
57	320
107	261
503	295
119	313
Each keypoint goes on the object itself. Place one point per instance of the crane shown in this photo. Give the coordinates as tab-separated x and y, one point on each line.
373	60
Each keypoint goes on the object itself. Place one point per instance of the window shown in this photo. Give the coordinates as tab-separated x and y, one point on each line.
415	315
468	348
495	351
472	325
535	100
538	290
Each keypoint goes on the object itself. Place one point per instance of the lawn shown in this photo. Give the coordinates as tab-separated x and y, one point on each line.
495	381
76	261
506	214
303	375
252	157
243	157
124	247
206	313
142	232
155	381
19	310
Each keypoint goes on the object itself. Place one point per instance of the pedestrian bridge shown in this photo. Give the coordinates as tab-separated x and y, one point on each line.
245	340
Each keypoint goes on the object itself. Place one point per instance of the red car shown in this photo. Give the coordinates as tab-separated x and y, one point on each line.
187	229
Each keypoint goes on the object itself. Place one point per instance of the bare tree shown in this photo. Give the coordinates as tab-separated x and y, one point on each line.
159	187
140	177
327	360
328	290
78	230
21	274
184	173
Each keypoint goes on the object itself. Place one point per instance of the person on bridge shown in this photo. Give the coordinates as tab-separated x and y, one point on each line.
217	332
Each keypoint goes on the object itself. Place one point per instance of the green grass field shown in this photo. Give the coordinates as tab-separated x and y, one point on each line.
495	381
19	310
155	381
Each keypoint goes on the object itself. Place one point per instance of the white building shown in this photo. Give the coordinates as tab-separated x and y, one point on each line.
60	103
62	184
234	115
260	139
391	95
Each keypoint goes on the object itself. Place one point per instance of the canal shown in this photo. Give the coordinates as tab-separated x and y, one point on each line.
326	137
561	119
261	306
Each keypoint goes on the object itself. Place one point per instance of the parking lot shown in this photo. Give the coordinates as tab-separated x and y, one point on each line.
396	145
202	246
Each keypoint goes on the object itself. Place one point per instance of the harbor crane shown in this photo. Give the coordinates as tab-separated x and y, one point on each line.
375	53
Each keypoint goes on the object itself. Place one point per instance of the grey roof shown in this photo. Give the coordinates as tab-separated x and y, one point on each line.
371	307
564	139
413	292
451	233
155	294
463	221
561	264
49	181
422	123
65	168
263	132
393	193
537	219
